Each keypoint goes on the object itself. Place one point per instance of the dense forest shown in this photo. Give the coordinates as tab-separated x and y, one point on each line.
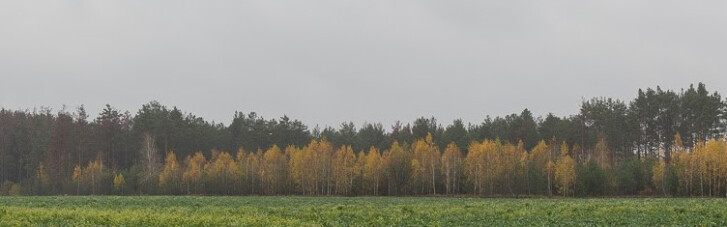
663	143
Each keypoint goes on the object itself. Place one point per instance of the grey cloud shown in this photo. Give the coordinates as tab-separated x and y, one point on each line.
325	62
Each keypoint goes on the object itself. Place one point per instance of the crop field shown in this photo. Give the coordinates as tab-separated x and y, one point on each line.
358	211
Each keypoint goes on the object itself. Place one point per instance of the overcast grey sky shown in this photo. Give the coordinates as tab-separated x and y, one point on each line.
325	62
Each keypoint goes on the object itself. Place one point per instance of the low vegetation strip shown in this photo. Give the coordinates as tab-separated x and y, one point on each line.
358	211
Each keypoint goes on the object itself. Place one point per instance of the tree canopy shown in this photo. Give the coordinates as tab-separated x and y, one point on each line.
662	142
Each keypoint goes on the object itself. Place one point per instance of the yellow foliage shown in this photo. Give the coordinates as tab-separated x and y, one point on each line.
701	171
563	149
222	172
451	165
678	144
359	168
92	175
565	175
192	175
539	156
119	181
77	171
481	165
41	174
373	170
602	153
14	190
273	171
426	153
316	172
417	174
296	167
343	165
657	176
170	173
397	165
252	169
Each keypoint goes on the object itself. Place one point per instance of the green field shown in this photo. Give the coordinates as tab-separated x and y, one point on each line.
358	211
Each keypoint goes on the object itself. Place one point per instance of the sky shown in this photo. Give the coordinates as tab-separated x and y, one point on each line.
330	61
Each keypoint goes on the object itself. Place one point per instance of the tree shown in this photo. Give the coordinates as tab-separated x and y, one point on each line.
607	118
323	165
343	164
418	177
565	171
400	133
565	174
222	173
481	164
371	135
14	190
510	170
252	168
346	135
539	173
373	172
41	177
149	161
423	126
397	165
359	168
602	153
119	183
591	179
451	165
559	128
170	176
110	135
456	133
701	113
192	175
94	173
317	167
662	140
658	175
427	155
296	168
76	177
90	177
550	169
274	171
58	158
525	129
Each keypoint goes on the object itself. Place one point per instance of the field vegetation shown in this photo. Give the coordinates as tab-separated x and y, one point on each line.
358	211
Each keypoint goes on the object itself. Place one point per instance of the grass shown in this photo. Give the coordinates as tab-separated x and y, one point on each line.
358	211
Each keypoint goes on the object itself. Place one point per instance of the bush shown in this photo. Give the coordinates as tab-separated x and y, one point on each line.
14	190
10	188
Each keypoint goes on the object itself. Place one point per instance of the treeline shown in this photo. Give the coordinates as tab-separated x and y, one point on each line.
661	143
